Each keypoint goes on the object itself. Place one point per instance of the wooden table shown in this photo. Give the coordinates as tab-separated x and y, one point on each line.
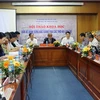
85	69
20	88
50	56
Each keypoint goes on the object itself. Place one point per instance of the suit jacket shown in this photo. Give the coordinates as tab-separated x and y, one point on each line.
47	40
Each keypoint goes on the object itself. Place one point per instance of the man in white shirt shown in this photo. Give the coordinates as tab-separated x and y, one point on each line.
92	40
32	39
67	40
17	41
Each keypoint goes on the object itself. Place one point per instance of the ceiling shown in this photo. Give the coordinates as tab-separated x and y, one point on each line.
48	0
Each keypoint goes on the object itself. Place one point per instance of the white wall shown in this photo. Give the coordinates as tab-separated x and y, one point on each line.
7	20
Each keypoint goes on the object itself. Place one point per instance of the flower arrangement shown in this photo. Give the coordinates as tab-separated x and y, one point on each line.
74	46
56	43
19	68
30	45
86	50
26	51
93	32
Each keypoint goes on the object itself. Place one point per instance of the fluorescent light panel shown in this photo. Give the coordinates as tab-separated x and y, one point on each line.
47	3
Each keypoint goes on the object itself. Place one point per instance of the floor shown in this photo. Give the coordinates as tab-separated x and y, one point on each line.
56	83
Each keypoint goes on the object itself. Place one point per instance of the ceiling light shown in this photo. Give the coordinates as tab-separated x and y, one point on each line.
47	3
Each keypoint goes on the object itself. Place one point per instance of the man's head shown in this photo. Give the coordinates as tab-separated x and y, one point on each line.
98	35
90	38
18	34
67	34
49	35
31	36
87	34
82	36
13	37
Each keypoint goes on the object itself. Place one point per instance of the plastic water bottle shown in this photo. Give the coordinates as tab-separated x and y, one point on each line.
20	54
17	58
11	70
27	45
1	75
20	51
46	43
93	52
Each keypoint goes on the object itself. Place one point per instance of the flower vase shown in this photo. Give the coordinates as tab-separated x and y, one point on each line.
56	45
73	48
76	48
85	55
90	54
79	50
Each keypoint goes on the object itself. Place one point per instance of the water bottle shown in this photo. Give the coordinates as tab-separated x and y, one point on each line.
1	74
46	43
93	52
0	97
11	70
20	54
20	51
17	58
27	45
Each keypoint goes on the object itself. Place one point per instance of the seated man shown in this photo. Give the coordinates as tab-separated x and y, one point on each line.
92	40
67	40
31	39
17	41
98	38
84	40
49	39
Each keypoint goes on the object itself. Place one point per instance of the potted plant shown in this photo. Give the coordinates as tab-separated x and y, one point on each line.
56	43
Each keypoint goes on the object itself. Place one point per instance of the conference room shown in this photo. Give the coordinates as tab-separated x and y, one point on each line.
49	50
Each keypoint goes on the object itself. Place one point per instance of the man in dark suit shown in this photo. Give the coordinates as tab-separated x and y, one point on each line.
49	39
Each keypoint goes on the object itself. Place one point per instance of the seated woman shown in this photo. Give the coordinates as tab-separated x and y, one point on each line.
4	45
2	41
11	39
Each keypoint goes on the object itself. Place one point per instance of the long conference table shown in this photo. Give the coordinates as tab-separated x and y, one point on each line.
86	70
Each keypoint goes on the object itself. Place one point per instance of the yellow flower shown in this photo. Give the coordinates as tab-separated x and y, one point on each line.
56	42
6	64
29	50
74	43
94	33
85	49
10	57
17	64
24	50
88	48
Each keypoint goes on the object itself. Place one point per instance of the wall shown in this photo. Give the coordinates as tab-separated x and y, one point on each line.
88	16
86	23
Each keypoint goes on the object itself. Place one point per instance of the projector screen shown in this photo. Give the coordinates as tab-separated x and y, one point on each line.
7	20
